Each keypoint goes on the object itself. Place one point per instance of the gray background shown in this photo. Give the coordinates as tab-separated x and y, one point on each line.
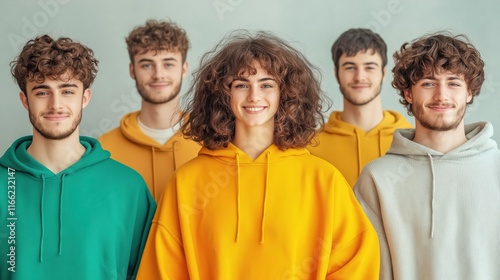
312	26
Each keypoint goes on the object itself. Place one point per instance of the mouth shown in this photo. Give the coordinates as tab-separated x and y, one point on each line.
440	107
55	117
360	86
158	86
254	109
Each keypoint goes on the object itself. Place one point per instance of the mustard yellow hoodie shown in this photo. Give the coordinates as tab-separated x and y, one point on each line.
284	215
155	162
350	148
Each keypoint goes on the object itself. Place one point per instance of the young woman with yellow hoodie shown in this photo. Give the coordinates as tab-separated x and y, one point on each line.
255	204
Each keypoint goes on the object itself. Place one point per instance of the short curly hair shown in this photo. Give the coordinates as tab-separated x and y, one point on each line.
45	57
357	40
157	36
208	118
426	55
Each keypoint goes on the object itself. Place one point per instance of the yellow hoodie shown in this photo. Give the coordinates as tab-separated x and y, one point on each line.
350	148
284	215
155	162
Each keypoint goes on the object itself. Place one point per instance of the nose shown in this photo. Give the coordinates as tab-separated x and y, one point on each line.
360	75
253	94
159	72
55	102
440	92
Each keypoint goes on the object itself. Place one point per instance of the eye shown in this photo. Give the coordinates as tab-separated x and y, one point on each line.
240	85
169	65
147	66
267	86
41	93
67	92
427	84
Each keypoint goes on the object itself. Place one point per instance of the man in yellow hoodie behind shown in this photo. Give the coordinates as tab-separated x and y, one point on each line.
148	140
363	130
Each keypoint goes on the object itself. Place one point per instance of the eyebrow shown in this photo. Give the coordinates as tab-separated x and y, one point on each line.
150	60
366	63
452	78
260	80
43	86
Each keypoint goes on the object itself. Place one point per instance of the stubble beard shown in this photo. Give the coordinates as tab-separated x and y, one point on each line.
51	135
354	102
436	125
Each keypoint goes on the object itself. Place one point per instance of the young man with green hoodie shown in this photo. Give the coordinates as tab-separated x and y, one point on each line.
68	210
363	130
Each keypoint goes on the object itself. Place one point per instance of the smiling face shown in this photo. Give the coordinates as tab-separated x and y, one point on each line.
360	77
55	106
439	101
254	99
158	75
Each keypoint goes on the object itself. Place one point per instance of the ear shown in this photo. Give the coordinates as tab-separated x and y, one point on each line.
469	96
87	94
24	100
408	96
336	73
384	71
185	68
131	70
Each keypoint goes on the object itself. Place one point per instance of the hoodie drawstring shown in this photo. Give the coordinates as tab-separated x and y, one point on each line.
60	213
358	147
153	168
42	218
173	154
380	144
262	225
238	200
433	193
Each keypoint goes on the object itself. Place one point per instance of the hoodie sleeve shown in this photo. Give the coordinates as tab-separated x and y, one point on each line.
366	192
355	248
164	256
146	207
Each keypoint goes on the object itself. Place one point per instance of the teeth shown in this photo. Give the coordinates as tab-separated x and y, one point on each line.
254	109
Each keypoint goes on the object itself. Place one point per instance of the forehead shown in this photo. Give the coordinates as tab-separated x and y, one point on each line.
441	73
52	81
367	56
158	55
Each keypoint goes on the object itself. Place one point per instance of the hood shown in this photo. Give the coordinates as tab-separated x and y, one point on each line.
478	134
391	120
17	158
479	140
131	130
232	155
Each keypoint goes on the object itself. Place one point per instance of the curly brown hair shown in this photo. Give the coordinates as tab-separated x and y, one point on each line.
45	57
208	117
157	36
427	55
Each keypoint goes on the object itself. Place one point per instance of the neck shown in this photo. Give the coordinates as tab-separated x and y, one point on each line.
253	141
56	155
160	116
366	116
441	141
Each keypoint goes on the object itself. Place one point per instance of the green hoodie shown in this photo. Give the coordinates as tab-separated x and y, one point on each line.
90	221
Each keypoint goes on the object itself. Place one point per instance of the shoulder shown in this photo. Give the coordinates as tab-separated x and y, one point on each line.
110	135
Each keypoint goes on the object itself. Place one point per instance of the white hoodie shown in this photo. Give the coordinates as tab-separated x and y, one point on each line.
436	214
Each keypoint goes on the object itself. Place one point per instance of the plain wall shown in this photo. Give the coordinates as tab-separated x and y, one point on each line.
311	26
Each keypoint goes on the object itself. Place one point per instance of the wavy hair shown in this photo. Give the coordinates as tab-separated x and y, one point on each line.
157	36
45	57
208	117
427	55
